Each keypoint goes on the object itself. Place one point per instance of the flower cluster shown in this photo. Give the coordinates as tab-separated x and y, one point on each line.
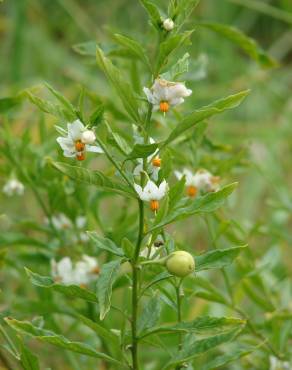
81	273
78	141
61	222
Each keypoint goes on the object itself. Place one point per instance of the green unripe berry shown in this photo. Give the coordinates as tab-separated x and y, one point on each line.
180	263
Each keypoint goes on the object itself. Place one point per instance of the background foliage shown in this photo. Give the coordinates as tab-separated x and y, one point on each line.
250	144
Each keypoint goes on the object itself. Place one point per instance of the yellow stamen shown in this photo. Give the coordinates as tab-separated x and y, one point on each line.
79	146
154	205
80	156
164	106
191	191
156	162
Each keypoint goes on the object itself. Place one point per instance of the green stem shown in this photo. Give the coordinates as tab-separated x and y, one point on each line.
179	315
135	268
121	172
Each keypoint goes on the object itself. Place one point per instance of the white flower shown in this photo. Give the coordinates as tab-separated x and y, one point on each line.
13	187
75	144
152	193
63	271
61	222
206	181
276	364
164	94
202	180
82	273
168	24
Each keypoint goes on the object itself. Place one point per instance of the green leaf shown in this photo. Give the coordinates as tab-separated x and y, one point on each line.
206	203
168	46
47	336
72	291
178	69
201	114
64	101
225	359
200	326
45	106
117	140
134	47
101	331
105	282
8	103
105	244
182	11
122	87
150	314
128	248
95	178
208	291
218	258
246	43
153	12
142	151
97	116
193	347
85	48
28	360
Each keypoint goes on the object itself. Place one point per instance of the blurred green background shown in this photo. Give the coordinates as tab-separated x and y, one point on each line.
251	144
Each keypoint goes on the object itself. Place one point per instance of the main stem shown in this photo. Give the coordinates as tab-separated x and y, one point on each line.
135	268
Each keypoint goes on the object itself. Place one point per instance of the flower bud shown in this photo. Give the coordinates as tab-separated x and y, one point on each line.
88	137
168	24
180	263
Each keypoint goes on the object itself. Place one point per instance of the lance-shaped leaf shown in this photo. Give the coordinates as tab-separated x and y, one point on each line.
134	47
142	151
94	178
218	258
181	10
179	68
225	359
64	101
206	203
9	102
87	48
193	347
28	360
107	277
105	244
153	12
200	326
150	314
204	289
246	43
72	291
122	87
47	336
168	46
219	106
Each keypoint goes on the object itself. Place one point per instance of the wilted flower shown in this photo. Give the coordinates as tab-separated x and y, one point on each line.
13	187
202	180
77	141
164	94
168	24
152	193
82	273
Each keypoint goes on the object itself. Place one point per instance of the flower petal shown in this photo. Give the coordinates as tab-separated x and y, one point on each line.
75	130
